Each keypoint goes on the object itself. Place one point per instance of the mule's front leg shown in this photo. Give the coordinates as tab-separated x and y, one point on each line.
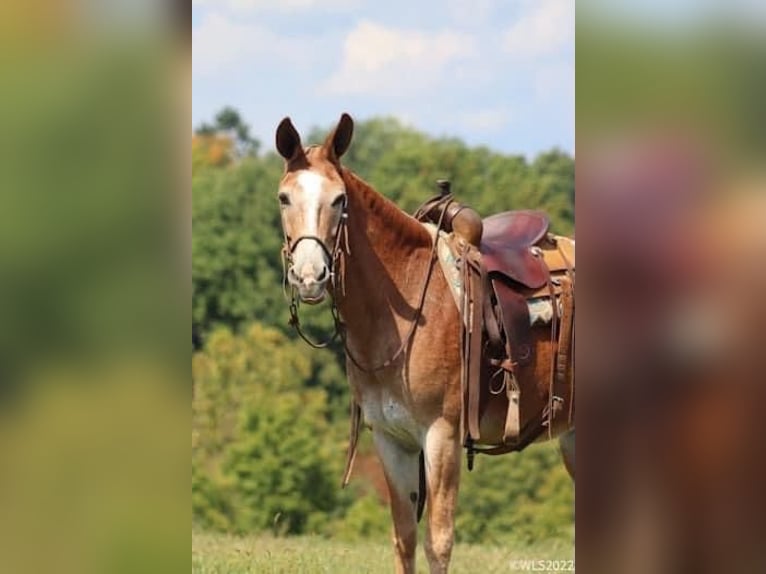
400	467
442	458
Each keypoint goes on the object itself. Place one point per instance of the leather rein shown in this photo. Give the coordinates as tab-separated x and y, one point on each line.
337	258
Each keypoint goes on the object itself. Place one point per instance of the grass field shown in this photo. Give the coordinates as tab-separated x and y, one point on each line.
219	554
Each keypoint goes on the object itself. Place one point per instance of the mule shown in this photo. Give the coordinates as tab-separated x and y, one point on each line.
401	333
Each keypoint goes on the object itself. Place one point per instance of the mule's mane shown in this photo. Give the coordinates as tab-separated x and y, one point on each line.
402	225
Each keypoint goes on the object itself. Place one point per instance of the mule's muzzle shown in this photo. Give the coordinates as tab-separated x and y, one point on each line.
311	287
312	294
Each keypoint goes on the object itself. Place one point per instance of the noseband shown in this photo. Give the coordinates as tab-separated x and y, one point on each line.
326	251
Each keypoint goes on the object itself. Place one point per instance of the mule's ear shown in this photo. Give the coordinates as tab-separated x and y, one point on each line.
288	140
338	141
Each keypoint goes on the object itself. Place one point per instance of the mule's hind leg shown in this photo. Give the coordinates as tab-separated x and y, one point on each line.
442	461
401	467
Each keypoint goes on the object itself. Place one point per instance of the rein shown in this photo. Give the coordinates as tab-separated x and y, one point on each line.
337	279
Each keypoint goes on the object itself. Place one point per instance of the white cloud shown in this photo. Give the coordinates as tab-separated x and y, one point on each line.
553	81
219	43
470	12
243	6
450	76
391	61
545	27
486	120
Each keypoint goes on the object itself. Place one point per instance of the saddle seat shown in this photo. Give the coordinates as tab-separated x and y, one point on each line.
506	246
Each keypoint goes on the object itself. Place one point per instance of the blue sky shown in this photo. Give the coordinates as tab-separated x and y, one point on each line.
492	72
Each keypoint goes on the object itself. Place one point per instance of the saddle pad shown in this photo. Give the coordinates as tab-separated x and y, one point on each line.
540	308
447	261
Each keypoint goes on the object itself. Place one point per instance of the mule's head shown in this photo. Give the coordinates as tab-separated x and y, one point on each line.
312	197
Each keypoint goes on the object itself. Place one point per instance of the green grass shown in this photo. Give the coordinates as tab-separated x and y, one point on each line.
220	553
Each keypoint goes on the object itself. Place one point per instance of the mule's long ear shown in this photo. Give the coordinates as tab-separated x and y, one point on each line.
338	141
288	140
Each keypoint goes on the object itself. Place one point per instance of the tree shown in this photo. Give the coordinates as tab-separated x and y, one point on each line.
236	242
205	129
228	121
210	150
222	142
525	496
263	453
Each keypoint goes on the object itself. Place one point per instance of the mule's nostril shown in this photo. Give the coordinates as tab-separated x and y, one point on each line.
322	274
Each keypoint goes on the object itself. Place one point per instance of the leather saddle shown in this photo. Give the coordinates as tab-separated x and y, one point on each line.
506	246
519	260
515	259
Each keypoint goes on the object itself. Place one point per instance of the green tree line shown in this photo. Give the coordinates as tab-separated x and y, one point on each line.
269	413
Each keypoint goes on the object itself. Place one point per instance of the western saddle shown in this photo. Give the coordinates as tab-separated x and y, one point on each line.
506	261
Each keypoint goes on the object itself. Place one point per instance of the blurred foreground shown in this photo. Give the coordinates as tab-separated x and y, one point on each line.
94	393
671	219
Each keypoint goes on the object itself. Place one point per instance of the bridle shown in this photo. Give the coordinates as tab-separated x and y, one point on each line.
337	258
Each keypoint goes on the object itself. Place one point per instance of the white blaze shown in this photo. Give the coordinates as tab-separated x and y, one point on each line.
311	190
309	258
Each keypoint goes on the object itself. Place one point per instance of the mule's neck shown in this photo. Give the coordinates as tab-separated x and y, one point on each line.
387	228
389	255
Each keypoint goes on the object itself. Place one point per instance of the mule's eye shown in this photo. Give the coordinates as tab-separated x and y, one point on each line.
340	200
284	199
